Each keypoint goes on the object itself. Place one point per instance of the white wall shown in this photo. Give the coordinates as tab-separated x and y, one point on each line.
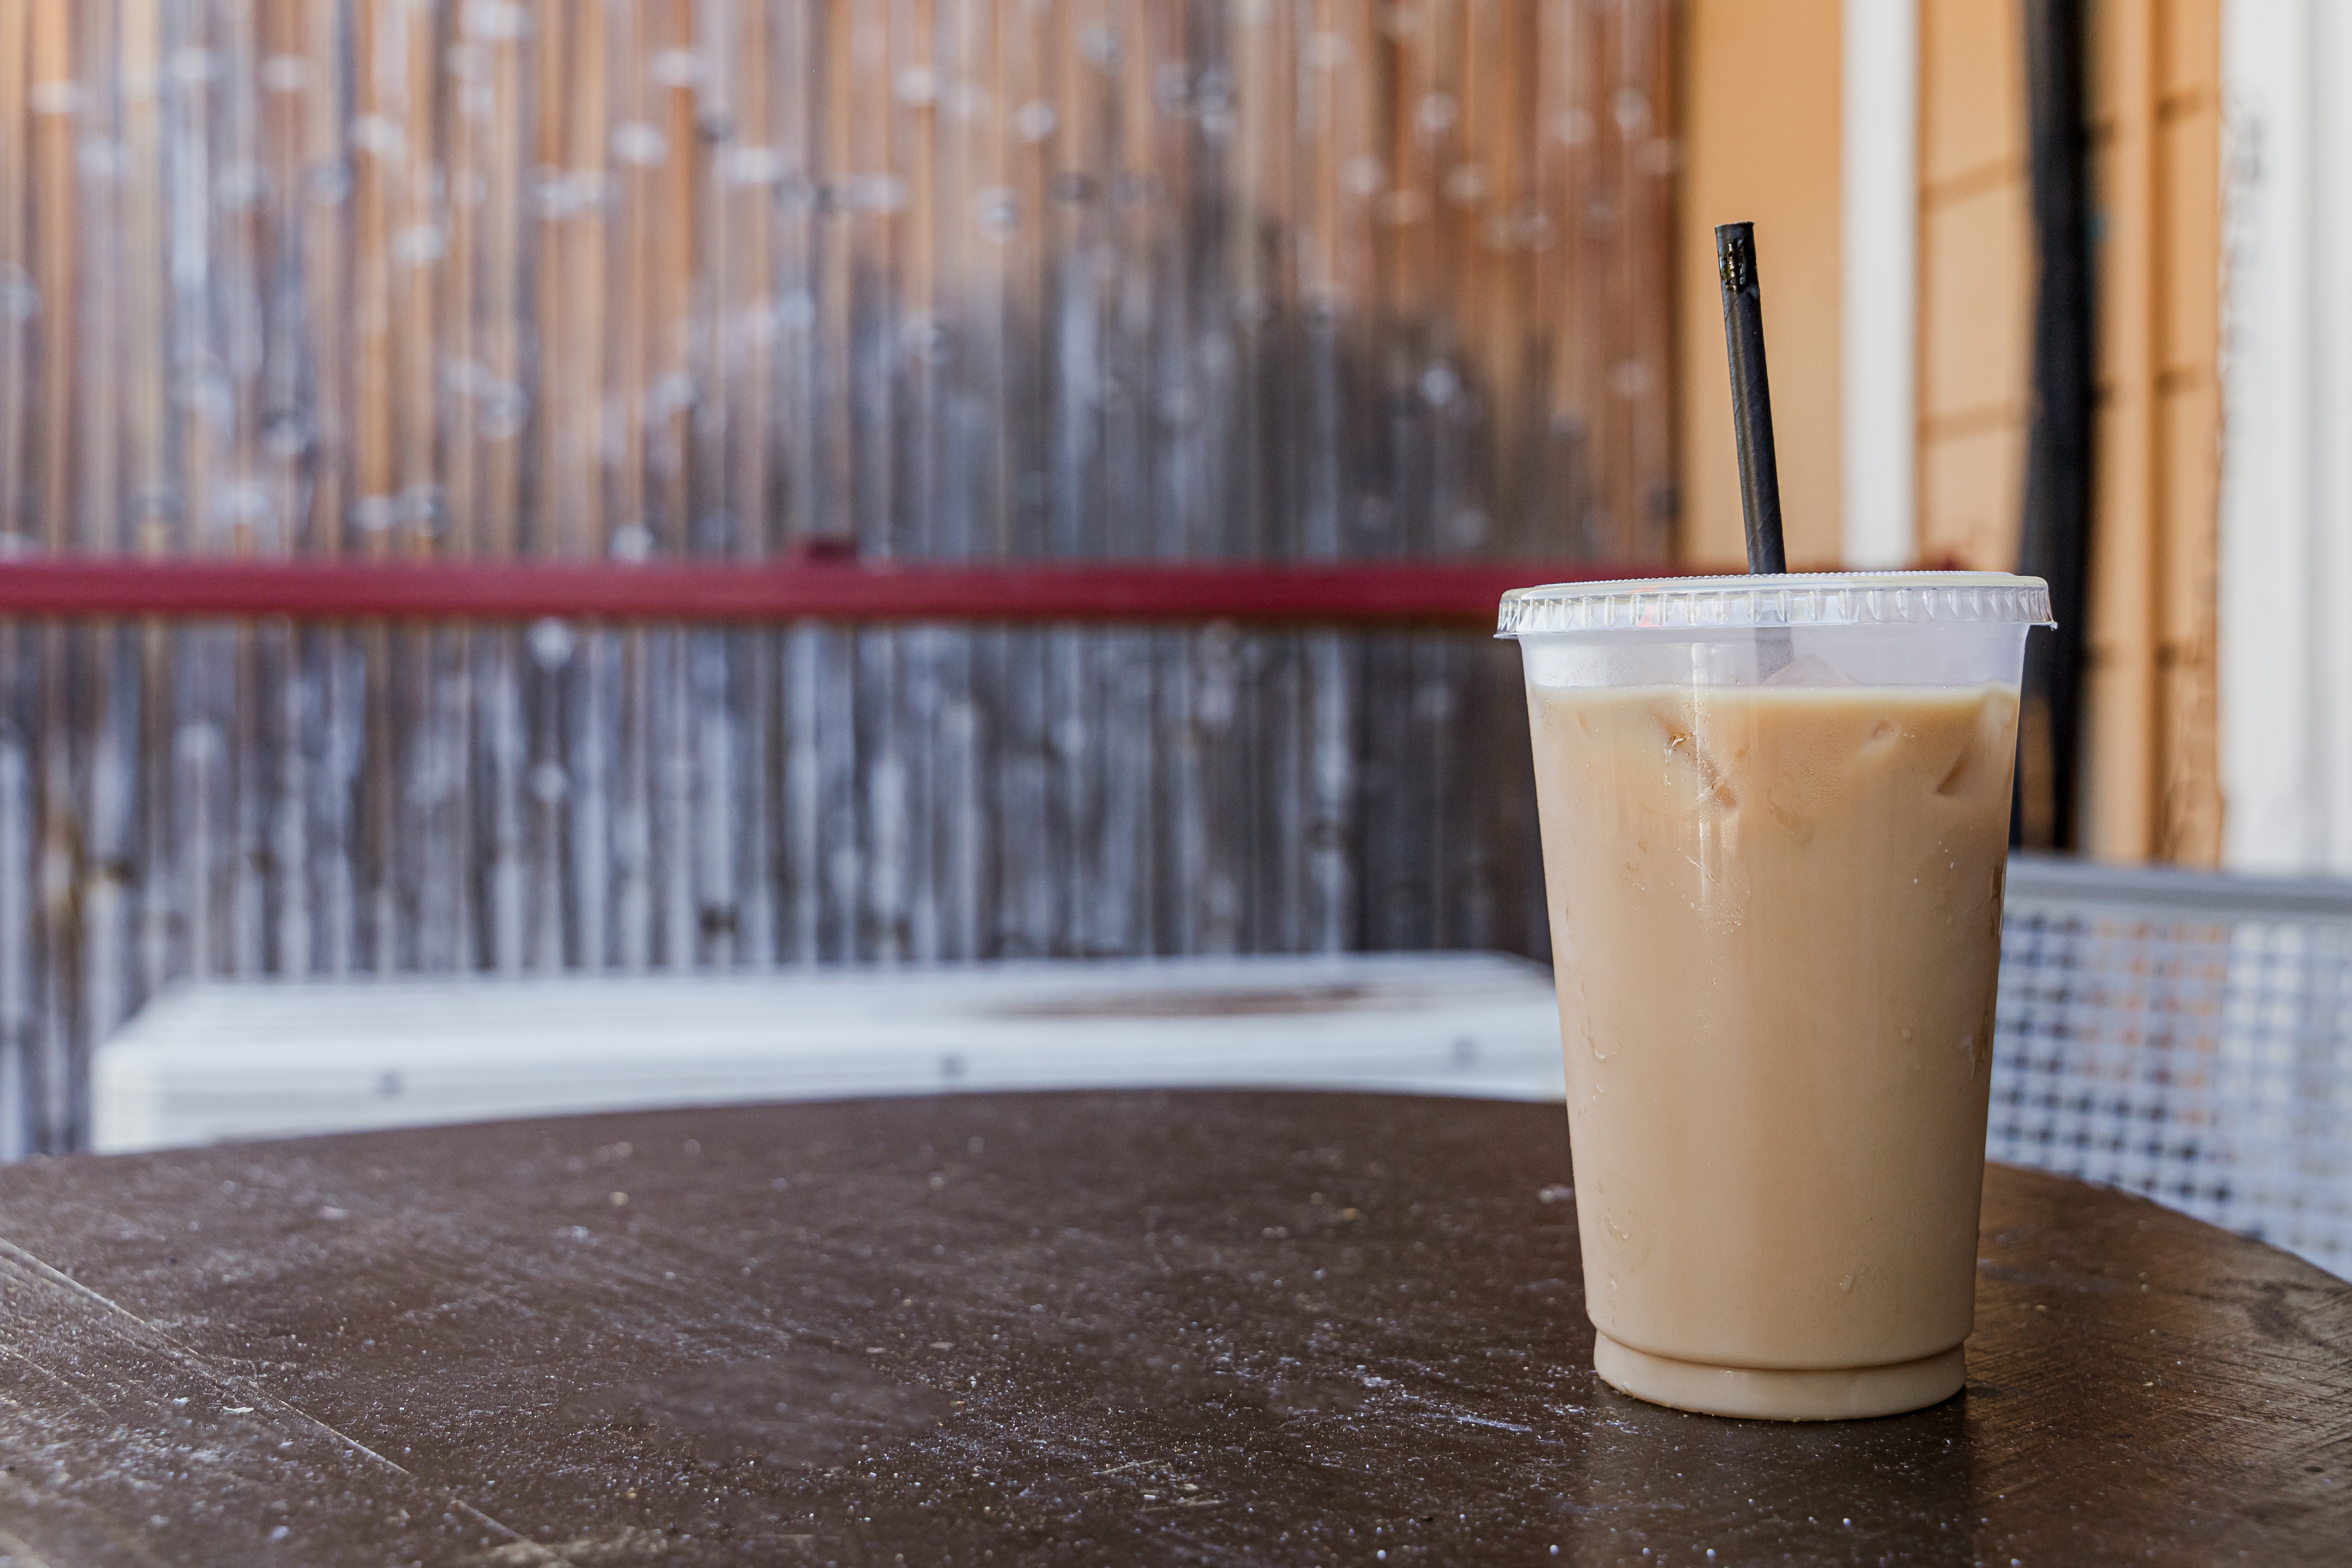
2286	501
1879	143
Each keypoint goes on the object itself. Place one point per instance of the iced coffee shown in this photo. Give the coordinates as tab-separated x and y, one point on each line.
1773	854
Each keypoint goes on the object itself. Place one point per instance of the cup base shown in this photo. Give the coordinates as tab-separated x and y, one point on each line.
1839	1394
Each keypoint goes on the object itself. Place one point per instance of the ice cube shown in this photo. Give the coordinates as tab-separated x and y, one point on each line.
1808	669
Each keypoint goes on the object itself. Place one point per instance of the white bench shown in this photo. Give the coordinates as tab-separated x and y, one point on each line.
233	1060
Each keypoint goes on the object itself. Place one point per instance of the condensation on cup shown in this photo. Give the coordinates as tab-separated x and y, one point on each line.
1775	826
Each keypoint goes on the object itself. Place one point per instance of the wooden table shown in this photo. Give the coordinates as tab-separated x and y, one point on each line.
1117	1327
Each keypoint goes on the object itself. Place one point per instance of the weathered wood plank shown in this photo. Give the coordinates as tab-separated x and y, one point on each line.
639	279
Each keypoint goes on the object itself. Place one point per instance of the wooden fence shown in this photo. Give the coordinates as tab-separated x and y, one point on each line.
627	281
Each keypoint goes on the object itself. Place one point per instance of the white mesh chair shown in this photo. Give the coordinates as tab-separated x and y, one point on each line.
2186	1036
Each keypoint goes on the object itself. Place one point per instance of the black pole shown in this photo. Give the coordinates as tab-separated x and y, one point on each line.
2054	542
1751	396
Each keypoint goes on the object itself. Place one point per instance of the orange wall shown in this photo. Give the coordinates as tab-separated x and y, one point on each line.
1762	132
1762	144
2153	787
1976	281
2151	777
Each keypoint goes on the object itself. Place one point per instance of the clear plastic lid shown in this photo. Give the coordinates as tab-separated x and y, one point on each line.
1797	599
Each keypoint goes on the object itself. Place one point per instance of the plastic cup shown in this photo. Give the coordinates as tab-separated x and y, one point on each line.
1775	831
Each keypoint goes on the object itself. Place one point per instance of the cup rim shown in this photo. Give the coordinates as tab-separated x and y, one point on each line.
1701	605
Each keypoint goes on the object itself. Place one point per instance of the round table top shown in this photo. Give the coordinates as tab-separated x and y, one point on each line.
1123	1327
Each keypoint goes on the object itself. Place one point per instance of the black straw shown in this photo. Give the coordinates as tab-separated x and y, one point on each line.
1751	396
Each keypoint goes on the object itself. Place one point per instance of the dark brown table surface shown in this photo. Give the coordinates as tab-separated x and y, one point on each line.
1134	1328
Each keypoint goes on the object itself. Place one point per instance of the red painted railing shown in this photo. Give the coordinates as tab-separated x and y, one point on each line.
1457	592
